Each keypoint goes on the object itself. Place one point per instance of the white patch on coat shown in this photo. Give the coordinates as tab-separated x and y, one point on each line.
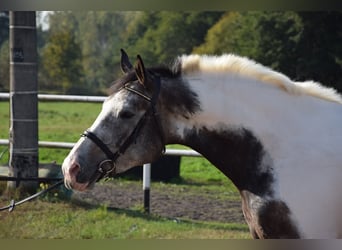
109	110
302	133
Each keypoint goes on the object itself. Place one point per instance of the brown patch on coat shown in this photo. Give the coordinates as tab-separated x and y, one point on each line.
270	220
274	218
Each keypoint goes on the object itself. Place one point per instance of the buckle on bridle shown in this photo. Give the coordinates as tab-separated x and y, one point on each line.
105	172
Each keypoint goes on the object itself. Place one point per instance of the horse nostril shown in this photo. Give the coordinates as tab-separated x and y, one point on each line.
74	169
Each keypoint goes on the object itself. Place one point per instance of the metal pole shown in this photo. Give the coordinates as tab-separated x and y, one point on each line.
146	186
23	134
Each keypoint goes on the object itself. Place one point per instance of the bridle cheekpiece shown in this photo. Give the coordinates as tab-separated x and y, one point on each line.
108	166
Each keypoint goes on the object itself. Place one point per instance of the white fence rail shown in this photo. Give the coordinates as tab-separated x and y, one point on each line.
64	98
68	145
77	98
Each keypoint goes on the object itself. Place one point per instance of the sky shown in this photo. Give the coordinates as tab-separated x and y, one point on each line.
43	19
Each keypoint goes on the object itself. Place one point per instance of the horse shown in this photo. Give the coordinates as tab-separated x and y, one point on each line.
279	141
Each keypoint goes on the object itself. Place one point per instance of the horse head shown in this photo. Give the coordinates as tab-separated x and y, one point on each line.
126	133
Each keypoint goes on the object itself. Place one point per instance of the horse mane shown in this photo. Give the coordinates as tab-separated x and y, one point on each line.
230	63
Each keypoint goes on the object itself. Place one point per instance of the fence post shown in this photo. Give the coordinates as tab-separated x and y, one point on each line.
146	186
23	134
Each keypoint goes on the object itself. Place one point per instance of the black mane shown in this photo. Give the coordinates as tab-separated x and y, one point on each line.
168	72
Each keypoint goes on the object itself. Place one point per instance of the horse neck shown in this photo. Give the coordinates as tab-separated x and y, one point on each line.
223	129
227	101
237	117
250	111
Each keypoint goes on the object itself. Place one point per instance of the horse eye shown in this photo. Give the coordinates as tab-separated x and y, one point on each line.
126	114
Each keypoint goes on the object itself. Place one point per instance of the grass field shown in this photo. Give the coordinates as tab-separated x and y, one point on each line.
62	219
68	221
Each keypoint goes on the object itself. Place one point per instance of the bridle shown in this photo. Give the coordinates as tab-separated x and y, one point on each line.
108	166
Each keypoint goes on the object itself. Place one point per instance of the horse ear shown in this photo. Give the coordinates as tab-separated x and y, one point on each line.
125	64
140	71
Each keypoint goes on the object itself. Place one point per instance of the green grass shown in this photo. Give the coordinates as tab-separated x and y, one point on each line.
58	121
4	130
64	122
69	221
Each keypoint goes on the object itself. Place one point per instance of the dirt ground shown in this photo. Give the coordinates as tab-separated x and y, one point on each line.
167	201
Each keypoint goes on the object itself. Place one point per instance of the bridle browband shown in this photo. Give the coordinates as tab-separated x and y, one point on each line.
108	166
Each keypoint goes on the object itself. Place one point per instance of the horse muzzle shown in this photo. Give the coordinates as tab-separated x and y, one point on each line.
70	177
74	179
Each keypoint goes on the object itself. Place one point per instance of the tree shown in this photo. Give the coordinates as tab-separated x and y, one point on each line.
233	33
302	45
61	63
278	33
99	35
158	36
319	49
161	36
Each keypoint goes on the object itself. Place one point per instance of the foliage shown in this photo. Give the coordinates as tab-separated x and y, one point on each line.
161	36
319	49
233	33
302	45
99	34
61	61
267	37
278	34
158	36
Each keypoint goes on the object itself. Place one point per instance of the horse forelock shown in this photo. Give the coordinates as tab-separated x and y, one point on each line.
245	67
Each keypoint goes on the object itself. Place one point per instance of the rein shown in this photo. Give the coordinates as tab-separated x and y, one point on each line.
108	166
12	204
